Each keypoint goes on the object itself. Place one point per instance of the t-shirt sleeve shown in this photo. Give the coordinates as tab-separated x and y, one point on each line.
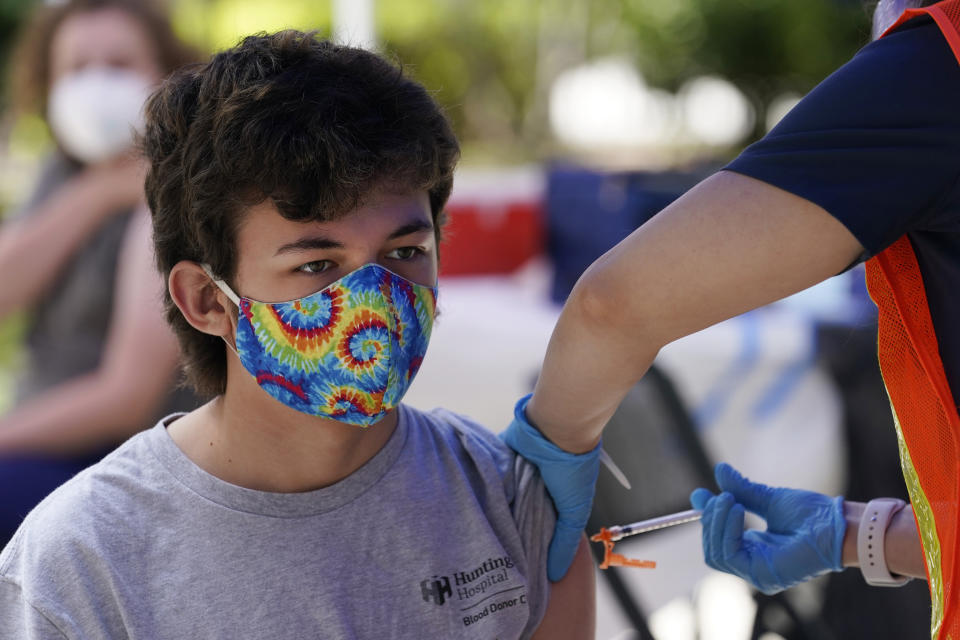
875	144
533	512
19	619
531	516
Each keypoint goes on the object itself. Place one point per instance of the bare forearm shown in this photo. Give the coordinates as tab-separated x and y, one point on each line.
576	394
901	547
729	245
137	368
34	249
77	417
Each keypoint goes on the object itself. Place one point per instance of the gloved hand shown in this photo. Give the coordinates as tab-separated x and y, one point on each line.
570	480
804	536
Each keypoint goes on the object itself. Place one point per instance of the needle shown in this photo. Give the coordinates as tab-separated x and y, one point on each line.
614	469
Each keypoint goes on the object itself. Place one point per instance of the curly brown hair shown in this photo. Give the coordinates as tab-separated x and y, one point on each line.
310	125
30	62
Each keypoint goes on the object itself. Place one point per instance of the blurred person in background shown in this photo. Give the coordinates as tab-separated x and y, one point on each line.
865	168
78	257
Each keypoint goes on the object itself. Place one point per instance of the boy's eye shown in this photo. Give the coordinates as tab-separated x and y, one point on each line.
317	266
405	253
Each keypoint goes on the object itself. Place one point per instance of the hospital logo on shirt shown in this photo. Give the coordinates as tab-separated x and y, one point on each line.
437	589
469	584
482	591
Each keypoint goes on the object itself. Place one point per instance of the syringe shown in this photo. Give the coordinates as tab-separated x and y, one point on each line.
662	522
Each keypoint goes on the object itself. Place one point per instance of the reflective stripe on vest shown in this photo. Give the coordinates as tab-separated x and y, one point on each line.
925	414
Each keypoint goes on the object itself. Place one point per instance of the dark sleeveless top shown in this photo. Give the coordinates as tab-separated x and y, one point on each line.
69	324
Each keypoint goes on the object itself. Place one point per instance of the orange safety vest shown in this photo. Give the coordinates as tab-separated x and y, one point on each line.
925	414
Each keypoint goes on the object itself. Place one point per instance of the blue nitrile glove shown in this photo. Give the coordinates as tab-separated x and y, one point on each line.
570	480
804	536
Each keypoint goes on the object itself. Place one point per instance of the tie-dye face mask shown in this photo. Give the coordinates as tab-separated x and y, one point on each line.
347	352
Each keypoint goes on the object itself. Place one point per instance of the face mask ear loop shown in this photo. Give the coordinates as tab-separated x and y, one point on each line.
220	284
234	298
232	348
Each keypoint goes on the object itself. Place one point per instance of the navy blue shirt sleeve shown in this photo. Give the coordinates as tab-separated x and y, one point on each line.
876	144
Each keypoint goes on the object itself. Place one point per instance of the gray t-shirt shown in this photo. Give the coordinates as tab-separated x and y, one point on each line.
442	534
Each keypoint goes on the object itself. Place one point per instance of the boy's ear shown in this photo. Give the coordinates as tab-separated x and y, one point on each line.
202	304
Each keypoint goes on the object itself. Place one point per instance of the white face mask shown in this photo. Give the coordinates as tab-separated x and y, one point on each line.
95	112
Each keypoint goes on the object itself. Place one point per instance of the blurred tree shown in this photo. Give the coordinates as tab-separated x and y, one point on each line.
218	24
765	47
12	14
479	57
491	63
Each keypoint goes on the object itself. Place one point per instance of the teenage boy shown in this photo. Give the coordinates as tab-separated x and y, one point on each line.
296	189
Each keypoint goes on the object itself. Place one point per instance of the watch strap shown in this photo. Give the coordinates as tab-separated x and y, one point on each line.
870	542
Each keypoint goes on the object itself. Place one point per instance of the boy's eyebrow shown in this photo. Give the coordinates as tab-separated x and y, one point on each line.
322	242
411	227
308	243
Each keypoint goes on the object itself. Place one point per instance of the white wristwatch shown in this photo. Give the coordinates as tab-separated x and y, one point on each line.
870	538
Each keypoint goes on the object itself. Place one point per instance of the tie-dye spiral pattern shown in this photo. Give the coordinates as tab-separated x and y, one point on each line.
348	352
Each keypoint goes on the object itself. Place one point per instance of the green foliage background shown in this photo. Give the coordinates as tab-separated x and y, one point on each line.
765	47
491	62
